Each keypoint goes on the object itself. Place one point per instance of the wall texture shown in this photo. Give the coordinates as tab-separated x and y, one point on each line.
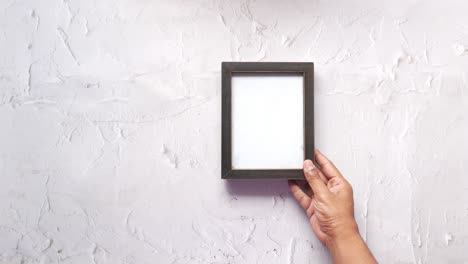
110	129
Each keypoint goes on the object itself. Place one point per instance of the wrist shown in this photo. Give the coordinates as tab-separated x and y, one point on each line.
349	247
344	237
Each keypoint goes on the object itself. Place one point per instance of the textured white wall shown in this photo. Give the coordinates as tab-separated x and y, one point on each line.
110	129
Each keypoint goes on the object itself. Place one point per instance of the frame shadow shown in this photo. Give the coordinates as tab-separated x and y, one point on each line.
256	187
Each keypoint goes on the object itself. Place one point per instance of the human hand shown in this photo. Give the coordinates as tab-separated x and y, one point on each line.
330	209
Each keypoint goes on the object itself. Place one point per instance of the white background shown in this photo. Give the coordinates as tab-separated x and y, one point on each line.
267	121
110	129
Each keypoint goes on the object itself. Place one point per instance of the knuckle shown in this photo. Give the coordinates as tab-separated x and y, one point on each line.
304	200
313	174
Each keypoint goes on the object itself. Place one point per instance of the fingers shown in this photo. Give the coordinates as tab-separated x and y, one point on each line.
303	199
322	177
327	167
313	178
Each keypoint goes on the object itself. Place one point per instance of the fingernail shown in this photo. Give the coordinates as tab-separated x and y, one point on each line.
309	165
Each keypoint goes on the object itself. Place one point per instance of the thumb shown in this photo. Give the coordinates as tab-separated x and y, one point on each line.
313	178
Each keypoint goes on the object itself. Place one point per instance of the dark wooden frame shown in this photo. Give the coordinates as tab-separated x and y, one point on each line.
230	68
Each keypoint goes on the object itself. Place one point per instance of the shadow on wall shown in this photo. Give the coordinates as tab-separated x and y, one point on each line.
256	187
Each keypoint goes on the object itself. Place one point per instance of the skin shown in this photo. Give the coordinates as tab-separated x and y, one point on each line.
330	209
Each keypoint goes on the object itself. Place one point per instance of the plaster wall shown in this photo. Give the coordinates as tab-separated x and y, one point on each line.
110	129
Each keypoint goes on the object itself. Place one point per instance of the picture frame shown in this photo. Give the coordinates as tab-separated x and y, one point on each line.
261	119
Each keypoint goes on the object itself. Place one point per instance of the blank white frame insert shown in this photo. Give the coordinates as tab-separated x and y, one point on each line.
267	117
